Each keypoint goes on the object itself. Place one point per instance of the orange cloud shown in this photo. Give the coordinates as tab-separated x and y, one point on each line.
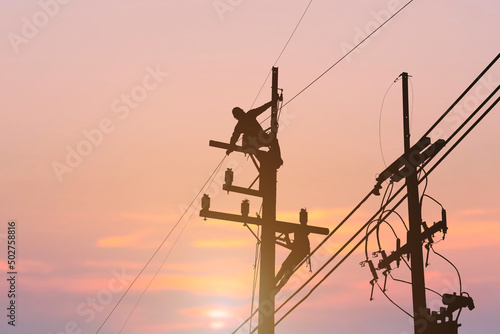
152	218
120	241
134	240
221	243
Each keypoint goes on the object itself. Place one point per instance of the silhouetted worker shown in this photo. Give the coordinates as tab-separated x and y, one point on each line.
300	250
254	136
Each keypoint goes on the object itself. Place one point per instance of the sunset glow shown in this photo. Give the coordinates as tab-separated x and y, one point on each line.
108	108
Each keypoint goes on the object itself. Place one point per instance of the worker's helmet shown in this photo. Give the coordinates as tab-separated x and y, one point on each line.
238	112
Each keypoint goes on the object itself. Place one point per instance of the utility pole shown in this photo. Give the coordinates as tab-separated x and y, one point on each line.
267	191
268	249
415	222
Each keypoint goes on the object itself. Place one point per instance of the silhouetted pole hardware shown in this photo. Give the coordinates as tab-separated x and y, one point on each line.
415	221
269	161
406	166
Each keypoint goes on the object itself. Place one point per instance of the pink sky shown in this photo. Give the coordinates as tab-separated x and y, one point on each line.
86	229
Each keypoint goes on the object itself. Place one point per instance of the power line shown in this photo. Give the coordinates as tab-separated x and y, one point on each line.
348	53
283	50
160	246
156	274
461	95
373	229
451	263
171	247
380	122
392	301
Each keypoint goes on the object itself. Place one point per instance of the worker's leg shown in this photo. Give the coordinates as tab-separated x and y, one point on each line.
275	150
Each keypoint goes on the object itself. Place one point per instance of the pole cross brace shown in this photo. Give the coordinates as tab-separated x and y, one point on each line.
386	263
258	153
281	227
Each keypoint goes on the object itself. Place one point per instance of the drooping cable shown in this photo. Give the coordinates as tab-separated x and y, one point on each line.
399	202
283	50
255	274
362	228
160	246
451	263
157	271
380	121
212	177
392	301
348	53
406	282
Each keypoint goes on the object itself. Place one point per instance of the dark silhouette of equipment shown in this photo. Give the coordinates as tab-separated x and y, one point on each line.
266	163
407	166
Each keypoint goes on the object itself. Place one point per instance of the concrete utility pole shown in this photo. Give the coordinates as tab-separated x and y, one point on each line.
415	222
267	190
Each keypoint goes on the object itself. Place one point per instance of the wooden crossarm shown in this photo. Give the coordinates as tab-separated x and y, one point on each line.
281	227
236	148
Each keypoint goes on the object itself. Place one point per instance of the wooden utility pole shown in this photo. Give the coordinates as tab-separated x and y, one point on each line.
267	190
268	250
415	222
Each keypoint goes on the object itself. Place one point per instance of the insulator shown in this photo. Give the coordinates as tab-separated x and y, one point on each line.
443	219
303	216
229	177
205	202
372	269
398	246
245	208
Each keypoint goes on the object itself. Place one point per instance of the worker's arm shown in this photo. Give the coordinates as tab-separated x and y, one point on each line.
257	111
234	139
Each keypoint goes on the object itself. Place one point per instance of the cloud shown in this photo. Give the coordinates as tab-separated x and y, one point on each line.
142	239
229	243
151	218
119	241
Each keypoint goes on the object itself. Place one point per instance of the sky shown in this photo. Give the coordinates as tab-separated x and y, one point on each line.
107	111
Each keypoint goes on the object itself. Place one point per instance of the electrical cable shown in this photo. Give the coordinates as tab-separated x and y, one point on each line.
362	228
378	240
401	218
432	198
255	273
348	53
465	133
159	247
380	122
283	50
406	282
156	273
392	301
456	269
461	96
422	170
412	108
344	56
314	251
395	206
